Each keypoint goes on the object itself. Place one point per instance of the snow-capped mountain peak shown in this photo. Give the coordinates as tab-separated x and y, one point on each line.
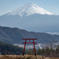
30	9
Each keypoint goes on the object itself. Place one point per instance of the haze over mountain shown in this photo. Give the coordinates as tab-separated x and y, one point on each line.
32	18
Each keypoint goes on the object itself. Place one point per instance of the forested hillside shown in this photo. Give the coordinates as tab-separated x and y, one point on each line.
15	35
10	49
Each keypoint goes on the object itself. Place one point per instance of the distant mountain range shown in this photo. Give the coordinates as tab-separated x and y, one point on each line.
15	35
31	18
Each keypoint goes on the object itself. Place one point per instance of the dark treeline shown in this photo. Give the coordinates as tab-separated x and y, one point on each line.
10	49
48	52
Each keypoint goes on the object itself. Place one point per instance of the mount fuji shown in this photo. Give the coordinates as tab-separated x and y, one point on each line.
32	18
30	9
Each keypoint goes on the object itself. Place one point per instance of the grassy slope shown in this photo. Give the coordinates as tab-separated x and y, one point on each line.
25	57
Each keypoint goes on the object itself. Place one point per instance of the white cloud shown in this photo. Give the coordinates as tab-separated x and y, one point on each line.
9	11
53	33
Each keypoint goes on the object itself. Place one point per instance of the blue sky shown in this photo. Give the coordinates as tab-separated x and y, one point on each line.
9	5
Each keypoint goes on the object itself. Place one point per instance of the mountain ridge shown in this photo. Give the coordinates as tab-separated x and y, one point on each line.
15	35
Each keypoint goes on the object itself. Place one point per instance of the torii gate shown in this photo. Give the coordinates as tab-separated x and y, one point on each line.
29	43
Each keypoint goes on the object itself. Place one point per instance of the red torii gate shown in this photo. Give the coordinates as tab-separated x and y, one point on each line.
29	43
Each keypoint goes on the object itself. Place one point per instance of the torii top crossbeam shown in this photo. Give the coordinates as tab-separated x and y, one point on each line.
29	39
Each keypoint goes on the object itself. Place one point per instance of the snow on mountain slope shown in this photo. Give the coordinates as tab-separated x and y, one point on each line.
29	9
